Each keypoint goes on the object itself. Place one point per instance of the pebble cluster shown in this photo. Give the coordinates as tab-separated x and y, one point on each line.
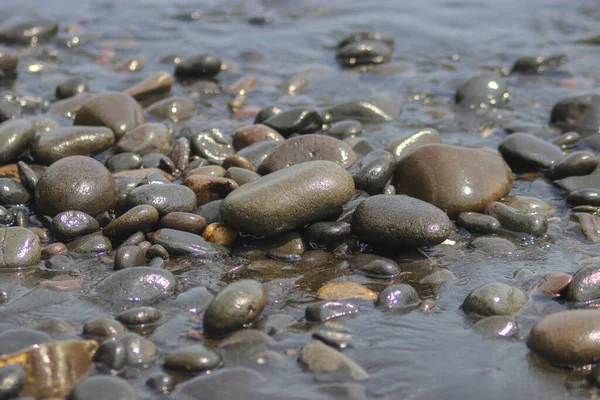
126	180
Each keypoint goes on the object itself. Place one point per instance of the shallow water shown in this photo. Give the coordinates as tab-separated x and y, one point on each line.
439	44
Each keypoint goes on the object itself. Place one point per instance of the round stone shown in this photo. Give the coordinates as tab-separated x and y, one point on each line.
142	218
146	139
398	297
71	87
396	220
76	183
235	307
192	359
19	248
528	152
483	90
165	198
12	381
373	171
495	299
70	224
373	266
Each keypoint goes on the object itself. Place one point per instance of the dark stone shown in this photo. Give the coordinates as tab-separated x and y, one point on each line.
123	162
528	152
325	234
139	316
405	145
478	223
92	243
241	176
366	35
12	381
575	164
25	28
179	243
99	328
364	53
373	171
142	218
210	144
577	113
345	129
584	287
155	85
165	198
296	120
374	110
187	222
146	139
15	137
516	221
237	306
257	152
12	193
323	311
28	176
488	90
398	297
267	112
174	108
199	66
129	256
71	224
538	65
589	197
71	87
373	266
111	354
192	359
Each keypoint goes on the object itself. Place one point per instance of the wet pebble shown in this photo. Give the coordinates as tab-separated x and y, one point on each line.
76	183
175	109
123	162
325	234
478	223
577	113
496	326
180	153
237	306
111	354
8	62
12	381
146	139
257	152
267	112
288	199
187	222
398	297
129	256
516	221
455	179
142	218
400	221
12	193
192	359
345	129
179	243
367	35
19	247
71	224
54	249
164	198
482	90
296	120
373	266
584	286
494	245
373	171
15	137
567	139
551	285
100	328
345	290
320	358
155	85
366	52
103	387
241	176
575	164
92	243
117	111
587	197
209	188
404	145
209	144
326	310
198	66
528	204
538	65
590	225
528	152
24	28
139	316
71	87
567	338
137	285
220	234
494	299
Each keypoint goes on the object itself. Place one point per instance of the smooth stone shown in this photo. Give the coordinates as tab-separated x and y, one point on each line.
455	179
366	35
129	256
180	153
117	111
374	110
396	220
366	52
584	286
100	328
578	113
345	290
220	234
76	183
57	328
111	354
584	197
123	162
54	249
19	247
138	316
551	285
223	385
174	108
68	108
575	164
251	134
478	223
237	306
138	350
405	145
373	171
71	224
320	358
257	152
239	161
296	84
211	211
567	338
398	297
6	217
325	234
103	387
345	129
142	218
528	204
567	139
497	326
24	28
494	299
12	381
590	225
158	162
538	65
296	120
182	221
157	251
15	137
192	359
209	188
210	144
8	62
71	87
373	266
288	199
323	311
573	183
267	112
308	148
528	152
335	336
146	139
92	243
179	243
213	170
136	286
162	384
516	221
198	66
241	176
494	245
165	198
12	193
10	108
482	90
156	84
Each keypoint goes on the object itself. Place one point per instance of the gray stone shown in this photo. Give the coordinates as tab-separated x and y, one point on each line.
192	359
103	387
373	171
165	198
320	358
71	224
179	243
398	297
405	145
577	113
15	137
19	248
483	90
495	299
585	286
528	152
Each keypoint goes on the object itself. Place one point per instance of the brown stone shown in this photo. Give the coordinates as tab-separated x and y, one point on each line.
208	188
146	139
551	284
455	179
237	161
251	134
183	221
142	173
346	290
220	234
242	86
54	249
